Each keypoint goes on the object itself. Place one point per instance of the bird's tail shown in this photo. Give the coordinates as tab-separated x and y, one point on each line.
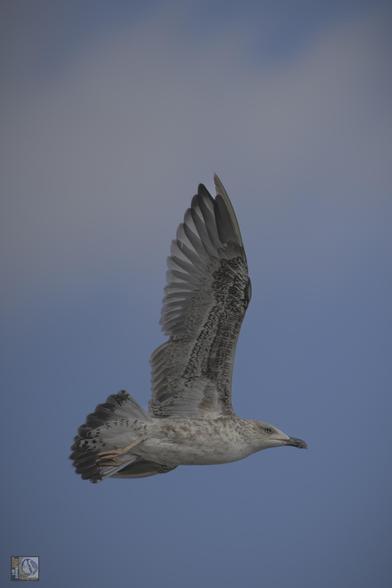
104	443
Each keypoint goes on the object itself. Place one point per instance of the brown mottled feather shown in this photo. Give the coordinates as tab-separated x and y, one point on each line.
206	296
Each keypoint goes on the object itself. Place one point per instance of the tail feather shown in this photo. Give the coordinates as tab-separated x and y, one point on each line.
115	424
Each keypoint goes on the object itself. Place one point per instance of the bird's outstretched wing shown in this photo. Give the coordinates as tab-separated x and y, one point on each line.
206	296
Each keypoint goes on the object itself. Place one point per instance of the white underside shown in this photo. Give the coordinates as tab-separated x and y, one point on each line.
196	442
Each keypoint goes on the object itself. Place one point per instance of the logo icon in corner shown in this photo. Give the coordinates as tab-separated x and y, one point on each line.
25	567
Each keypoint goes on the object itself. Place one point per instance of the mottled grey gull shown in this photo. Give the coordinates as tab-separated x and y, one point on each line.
190	419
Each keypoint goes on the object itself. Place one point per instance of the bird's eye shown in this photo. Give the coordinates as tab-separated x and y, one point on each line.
268	430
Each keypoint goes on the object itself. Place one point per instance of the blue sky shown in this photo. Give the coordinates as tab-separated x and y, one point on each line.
111	113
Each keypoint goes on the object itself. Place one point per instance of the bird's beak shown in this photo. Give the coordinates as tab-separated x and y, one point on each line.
296	443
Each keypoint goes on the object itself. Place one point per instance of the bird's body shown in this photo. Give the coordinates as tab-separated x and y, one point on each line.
199	441
191	419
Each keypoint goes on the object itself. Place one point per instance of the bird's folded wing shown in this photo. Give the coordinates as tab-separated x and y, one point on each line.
206	296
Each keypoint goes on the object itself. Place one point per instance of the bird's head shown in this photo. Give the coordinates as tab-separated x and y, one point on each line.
270	436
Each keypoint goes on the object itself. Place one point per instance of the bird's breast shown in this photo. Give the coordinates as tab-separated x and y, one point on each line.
195	442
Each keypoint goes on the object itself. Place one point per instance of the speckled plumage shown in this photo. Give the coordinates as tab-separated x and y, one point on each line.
191	420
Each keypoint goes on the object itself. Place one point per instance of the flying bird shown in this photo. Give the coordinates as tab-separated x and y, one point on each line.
190	420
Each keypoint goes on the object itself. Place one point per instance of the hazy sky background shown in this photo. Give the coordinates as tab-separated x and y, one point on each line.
111	113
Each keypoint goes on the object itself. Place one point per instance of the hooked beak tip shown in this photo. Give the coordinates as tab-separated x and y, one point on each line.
294	442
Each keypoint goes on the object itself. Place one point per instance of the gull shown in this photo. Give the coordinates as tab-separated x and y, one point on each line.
190	420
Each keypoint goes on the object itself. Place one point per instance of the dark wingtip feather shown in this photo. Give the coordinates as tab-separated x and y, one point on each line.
202	191
221	191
